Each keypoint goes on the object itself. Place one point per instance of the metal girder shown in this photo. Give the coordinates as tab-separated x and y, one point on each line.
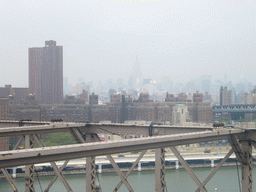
29	169
237	149
38	129
90	165
121	129
56	169
15	123
48	154
216	169
90	174
9	179
130	170
247	167
160	184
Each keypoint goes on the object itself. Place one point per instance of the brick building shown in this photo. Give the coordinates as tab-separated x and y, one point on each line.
93	99
4	115
144	97
16	94
116	112
198	97
46	73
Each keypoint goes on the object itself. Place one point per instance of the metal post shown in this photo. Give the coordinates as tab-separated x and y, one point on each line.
247	167
90	168
14	172
139	166
99	168
177	164
29	169
212	162
90	174
160	170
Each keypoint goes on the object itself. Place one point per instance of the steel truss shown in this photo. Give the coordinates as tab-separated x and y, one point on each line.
240	141
160	184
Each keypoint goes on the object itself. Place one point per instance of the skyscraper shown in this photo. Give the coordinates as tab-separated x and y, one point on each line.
46	73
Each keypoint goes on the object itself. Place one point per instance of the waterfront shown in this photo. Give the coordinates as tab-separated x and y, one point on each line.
226	180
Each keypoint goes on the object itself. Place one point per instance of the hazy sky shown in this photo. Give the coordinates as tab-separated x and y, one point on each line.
178	38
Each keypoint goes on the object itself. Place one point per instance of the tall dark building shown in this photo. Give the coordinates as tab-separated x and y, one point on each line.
46	73
225	96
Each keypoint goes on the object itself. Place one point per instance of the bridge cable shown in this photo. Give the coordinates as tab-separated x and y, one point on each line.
39	181
238	176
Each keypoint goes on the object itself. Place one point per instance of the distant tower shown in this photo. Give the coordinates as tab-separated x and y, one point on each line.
221	95
46	73
136	74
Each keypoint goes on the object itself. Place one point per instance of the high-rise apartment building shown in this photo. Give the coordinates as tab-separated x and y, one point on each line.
46	73
225	96
93	99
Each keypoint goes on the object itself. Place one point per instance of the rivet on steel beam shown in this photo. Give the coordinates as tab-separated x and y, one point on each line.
156	131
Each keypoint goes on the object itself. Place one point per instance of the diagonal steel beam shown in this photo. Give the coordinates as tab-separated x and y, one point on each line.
189	170
55	167
56	176
237	149
19	142
216	169
9	179
130	170
120	173
61	176
77	135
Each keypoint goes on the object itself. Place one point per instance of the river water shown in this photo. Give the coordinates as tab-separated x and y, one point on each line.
225	180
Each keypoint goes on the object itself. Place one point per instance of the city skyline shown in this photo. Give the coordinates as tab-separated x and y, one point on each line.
181	40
